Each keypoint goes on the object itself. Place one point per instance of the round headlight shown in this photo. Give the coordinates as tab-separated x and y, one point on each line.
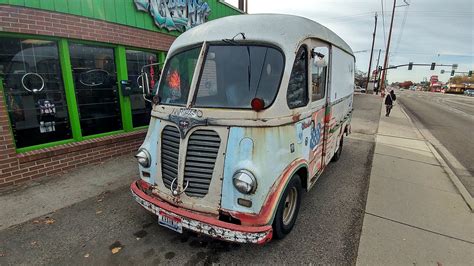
143	158
244	181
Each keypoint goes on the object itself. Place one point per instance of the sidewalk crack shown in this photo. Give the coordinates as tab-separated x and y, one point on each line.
420	228
400	146
411	160
399	137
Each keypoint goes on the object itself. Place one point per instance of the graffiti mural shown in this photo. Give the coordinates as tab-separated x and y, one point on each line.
175	14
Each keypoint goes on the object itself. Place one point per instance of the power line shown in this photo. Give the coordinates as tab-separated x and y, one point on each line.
401	30
383	21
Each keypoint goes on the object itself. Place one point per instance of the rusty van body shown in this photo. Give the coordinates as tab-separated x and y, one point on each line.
248	112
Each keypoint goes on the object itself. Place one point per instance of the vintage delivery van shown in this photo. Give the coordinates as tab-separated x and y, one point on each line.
248	112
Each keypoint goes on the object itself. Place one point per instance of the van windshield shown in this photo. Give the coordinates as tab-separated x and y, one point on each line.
233	75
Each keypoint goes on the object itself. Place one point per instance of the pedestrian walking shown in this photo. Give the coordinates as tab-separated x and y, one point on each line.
389	101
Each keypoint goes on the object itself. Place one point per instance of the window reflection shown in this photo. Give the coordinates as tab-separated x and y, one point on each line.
178	73
319	72
95	83
34	91
141	109
297	94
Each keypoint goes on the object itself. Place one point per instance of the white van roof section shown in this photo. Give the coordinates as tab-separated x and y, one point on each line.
286	31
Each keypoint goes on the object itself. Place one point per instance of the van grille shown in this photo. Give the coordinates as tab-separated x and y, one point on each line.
203	146
170	141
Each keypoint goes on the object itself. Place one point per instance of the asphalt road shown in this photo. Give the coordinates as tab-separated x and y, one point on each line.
327	230
450	119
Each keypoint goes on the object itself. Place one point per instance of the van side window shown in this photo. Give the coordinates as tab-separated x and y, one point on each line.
297	93
319	68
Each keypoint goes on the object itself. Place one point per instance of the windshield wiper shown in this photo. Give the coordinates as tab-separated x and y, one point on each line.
232	41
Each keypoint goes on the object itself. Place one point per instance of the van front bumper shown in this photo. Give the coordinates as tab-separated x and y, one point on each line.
200	223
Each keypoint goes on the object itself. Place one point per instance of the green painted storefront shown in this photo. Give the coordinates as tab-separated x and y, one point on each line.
117	56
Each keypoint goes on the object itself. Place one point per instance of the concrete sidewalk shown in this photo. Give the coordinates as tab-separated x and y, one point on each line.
414	213
57	192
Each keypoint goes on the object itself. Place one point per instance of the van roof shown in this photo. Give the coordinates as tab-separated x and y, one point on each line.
286	31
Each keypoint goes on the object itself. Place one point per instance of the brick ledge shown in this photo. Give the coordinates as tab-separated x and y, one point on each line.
78	146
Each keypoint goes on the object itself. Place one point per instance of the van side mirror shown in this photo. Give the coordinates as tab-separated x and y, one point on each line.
143	83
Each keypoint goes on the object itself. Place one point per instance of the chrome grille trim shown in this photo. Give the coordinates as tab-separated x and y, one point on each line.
170	141
201	155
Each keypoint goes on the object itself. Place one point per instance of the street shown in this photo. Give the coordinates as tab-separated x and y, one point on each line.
327	230
450	119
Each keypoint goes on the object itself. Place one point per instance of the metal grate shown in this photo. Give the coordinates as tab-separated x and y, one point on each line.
170	140
203	146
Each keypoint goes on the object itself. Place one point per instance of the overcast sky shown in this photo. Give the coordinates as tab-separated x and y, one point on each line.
426	31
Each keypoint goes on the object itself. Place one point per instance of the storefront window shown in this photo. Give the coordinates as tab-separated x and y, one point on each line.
95	82
141	109
34	91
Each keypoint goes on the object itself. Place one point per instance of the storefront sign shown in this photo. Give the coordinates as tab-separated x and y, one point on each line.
175	14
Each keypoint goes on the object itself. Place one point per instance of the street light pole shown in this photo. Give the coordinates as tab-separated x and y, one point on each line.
382	84
371	54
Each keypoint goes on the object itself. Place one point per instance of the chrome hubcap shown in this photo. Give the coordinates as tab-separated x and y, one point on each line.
290	206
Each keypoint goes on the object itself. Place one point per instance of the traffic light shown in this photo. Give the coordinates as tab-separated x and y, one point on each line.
433	66
452	72
410	66
442	71
470	73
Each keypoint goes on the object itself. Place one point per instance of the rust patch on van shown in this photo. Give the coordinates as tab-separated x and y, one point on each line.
296	117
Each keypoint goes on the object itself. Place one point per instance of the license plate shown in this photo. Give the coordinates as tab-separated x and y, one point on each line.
170	221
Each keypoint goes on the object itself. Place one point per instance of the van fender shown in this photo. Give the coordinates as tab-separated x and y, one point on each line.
268	210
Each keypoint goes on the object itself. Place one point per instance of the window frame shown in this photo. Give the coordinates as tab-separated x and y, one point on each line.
315	44
57	40
160	58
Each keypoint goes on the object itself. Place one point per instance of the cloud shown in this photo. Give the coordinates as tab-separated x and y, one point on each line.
432	28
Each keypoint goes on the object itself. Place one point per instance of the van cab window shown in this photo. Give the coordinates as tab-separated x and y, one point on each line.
233	75
319	66
297	93
177	76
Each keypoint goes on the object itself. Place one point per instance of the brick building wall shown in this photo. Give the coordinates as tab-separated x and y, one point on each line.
16	168
31	21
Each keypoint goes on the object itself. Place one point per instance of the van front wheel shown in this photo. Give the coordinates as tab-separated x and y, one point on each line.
288	208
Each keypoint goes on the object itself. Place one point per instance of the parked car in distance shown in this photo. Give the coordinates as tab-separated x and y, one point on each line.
359	89
469	92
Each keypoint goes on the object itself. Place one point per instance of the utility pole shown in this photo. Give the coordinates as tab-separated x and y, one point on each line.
243	5
382	83
377	76
371	54
378	59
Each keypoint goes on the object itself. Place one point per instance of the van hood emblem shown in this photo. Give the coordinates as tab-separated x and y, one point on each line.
186	123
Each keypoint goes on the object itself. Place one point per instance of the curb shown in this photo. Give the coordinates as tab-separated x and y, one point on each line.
452	176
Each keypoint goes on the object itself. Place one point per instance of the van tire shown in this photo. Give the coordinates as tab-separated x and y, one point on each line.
281	227
337	154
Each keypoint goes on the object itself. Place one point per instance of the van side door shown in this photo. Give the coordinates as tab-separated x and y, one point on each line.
318	68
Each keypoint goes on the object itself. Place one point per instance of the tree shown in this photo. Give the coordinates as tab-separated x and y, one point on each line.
461	80
360	79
